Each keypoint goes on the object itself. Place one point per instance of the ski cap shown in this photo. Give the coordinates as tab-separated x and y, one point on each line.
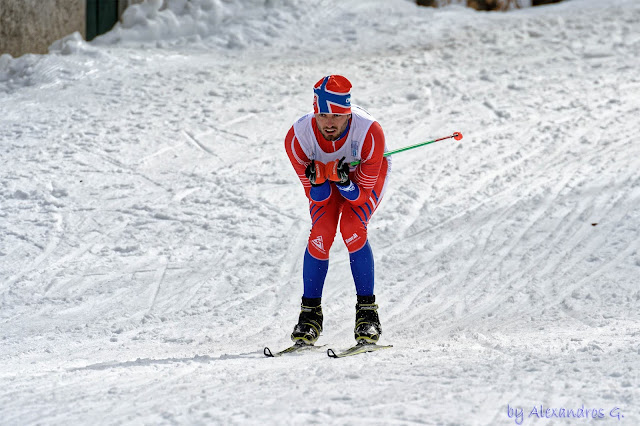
332	95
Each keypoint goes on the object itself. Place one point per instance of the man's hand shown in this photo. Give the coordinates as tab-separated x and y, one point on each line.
338	171
315	172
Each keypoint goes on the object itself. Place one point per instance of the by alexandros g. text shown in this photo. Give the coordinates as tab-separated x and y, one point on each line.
520	414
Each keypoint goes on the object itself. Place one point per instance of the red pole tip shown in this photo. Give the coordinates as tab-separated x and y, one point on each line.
457	136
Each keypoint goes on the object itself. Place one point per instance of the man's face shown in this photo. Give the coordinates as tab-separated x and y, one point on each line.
332	125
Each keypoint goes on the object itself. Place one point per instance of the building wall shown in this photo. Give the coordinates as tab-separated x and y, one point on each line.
30	26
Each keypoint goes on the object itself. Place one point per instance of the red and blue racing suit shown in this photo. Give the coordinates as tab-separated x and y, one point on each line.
351	208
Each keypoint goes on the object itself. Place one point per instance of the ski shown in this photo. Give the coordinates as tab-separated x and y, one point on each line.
298	347
360	348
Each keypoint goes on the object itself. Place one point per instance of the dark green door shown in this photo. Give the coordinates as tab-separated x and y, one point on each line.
102	15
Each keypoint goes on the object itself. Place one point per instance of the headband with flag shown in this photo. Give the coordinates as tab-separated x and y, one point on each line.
332	95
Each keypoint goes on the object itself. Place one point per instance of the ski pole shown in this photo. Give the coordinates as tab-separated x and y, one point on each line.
456	135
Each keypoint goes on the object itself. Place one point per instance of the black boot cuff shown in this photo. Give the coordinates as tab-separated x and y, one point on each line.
366	300
311	302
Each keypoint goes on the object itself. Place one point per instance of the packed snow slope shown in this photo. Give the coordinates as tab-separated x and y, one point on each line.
152	230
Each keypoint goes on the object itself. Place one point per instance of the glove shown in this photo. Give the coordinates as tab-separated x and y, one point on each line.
315	172
338	171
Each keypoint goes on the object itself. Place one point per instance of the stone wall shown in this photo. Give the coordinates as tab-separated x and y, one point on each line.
30	26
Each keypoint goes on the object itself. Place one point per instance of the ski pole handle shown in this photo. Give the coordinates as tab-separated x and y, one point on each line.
456	135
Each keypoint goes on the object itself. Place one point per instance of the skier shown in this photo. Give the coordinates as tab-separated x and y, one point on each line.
321	145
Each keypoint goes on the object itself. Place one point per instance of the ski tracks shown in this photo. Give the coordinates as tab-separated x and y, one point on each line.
513	244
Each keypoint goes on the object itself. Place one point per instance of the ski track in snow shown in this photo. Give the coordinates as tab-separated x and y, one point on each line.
152	230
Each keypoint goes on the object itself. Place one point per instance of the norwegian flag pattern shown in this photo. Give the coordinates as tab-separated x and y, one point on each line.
327	101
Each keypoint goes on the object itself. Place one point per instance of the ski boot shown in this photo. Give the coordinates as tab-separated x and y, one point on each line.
309	325
368	328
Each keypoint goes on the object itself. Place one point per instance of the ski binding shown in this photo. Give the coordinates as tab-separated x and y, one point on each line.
360	348
298	347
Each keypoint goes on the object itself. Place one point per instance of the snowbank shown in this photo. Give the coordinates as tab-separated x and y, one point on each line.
294	26
241	23
69	58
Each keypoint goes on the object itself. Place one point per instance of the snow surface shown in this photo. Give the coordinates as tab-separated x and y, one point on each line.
152	229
